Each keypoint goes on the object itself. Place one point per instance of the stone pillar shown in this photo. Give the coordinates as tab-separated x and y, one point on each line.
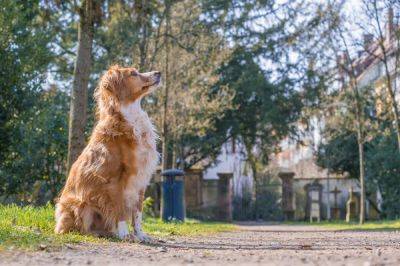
287	194
314	200
335	210
193	188
352	206
224	197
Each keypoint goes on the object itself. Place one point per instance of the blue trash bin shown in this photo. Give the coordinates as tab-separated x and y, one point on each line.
173	195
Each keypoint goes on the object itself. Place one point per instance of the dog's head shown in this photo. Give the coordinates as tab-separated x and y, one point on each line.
124	85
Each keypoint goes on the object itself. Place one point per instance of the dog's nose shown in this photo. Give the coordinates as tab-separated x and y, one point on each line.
157	73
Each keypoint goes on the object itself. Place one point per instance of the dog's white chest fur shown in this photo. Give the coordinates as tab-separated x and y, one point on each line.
146	155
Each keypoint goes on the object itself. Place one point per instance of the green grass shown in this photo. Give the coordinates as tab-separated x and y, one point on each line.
388	225
190	227
32	228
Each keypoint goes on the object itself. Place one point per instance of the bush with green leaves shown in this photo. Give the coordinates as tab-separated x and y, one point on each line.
34	170
32	116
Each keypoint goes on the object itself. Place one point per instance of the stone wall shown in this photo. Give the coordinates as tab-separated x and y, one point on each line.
342	184
193	189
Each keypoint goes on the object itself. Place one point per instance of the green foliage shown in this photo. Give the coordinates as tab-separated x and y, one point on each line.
382	165
382	160
128	28
340	154
148	207
383	172
34	169
24	53
264	111
32	120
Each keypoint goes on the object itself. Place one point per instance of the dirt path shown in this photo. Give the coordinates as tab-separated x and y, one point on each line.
253	244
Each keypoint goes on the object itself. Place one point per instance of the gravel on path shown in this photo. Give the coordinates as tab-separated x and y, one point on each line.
252	244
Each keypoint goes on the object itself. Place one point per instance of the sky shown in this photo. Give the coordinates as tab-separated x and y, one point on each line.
352	5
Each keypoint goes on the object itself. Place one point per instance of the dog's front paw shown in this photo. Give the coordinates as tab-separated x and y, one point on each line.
123	231
124	236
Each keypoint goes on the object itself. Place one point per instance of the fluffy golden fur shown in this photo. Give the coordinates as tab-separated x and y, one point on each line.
106	184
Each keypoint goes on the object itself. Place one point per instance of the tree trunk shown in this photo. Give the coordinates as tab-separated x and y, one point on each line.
77	116
360	142
174	154
362	174
253	164
256	184
349	66
360	124
166	93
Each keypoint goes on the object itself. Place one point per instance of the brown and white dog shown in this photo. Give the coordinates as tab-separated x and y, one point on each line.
105	187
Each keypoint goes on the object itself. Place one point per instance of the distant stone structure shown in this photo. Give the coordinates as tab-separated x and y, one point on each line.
224	195
194	188
287	195
335	210
352	206
314	196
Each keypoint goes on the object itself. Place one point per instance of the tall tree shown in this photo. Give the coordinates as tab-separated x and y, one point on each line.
89	13
165	133
350	85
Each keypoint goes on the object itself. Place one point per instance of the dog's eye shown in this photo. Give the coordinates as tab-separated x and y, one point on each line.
134	73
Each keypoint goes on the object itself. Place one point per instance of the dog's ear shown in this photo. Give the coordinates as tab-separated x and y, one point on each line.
111	79
106	93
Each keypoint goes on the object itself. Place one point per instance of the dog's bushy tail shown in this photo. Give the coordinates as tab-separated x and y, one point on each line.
73	215
66	216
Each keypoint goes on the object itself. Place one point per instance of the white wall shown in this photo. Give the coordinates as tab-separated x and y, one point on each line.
231	162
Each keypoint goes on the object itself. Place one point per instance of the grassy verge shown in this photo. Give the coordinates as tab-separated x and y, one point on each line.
389	225
32	228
